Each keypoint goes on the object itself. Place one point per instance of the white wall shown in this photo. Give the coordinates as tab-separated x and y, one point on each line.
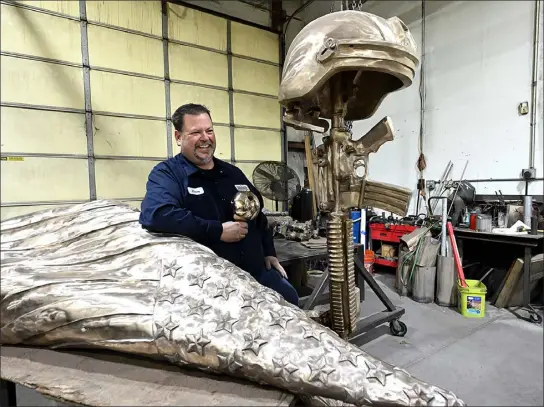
478	61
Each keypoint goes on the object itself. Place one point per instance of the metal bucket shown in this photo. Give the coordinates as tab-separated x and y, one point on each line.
446	282
424	284
483	223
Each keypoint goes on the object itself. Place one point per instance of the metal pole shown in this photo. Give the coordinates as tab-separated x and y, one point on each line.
536	61
444	222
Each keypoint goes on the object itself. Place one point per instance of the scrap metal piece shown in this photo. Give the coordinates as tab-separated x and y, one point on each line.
88	275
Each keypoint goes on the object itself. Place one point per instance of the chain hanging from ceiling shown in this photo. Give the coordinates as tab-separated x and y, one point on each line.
349	5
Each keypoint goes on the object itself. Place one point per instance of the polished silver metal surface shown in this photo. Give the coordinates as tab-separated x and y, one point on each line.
89	275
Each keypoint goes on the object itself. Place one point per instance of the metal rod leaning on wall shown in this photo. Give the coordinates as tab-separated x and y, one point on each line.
166	59
87	95
536	62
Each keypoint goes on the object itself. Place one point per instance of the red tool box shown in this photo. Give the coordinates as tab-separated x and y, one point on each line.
387	233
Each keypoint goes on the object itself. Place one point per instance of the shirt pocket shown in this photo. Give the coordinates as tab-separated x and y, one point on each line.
201	205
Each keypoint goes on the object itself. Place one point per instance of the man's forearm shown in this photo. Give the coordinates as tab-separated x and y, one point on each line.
175	220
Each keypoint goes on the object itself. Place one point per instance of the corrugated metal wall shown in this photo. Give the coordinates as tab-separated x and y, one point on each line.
88	88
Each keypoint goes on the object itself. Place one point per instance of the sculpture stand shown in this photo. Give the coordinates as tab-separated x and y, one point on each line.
391	313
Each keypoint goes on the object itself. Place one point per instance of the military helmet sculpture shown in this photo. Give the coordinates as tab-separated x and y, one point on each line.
377	57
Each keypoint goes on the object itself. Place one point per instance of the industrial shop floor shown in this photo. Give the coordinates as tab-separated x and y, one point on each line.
494	361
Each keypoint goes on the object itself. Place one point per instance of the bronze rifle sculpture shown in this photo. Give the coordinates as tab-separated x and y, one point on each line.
89	276
340	67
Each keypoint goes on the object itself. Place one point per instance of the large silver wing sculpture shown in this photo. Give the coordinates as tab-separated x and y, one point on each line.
88	275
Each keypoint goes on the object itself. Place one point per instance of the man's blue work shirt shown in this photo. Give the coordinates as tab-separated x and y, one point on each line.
185	200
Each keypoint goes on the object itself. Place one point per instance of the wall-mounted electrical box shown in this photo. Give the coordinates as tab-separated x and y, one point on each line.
523	108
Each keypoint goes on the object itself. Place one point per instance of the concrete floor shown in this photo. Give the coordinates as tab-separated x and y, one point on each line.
493	361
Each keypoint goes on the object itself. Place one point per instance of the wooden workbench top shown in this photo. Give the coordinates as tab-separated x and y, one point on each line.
97	378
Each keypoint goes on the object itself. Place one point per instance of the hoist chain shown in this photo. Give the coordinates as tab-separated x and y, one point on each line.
354	5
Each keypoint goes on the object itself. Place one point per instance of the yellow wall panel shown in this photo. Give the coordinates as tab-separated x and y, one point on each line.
144	16
114	49
117	179
41	83
217	101
247	169
129	137
254	76
197	65
257	145
70	8
44	179
222	143
127	94
43	35
256	111
195	27
7	212
255	43
59	133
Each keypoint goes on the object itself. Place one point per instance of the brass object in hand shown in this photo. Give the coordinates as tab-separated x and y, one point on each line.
246	205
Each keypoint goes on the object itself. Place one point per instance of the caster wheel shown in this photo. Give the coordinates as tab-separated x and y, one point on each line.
398	328
535	318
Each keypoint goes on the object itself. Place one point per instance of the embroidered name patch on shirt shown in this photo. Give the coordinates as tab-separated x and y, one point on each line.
242	188
195	191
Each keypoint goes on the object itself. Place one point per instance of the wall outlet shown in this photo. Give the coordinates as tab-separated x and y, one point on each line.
523	108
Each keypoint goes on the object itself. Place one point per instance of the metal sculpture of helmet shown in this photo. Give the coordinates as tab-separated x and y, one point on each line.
377	56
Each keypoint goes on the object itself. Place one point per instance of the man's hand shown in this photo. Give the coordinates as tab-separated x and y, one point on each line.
233	231
271	261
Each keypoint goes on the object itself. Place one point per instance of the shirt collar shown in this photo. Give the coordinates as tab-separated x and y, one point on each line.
191	168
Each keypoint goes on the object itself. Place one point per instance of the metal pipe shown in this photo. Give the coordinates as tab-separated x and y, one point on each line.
457	189
536	60
444	226
500	180
527	209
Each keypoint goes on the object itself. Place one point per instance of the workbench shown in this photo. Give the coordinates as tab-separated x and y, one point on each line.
290	251
102	378
531	245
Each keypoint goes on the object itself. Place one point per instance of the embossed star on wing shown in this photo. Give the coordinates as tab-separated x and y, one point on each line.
196	343
376	373
280	318
320	370
225	323
283	368
254	342
197	279
230	362
346	354
166	294
224	290
165	328
310	331
170	268
251	301
198	308
418	396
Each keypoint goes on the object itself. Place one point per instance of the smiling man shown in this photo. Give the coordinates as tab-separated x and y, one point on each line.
190	194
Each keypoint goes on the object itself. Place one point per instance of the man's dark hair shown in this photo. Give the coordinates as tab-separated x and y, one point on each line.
190	109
